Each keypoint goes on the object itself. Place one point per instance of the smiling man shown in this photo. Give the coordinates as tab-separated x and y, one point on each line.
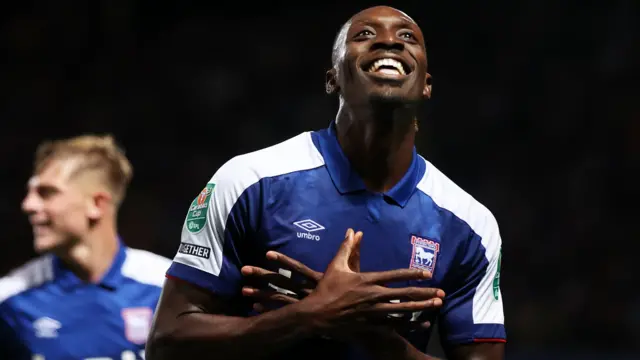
426	241
88	296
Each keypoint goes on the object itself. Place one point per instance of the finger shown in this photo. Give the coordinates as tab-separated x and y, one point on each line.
268	295
341	259
294	265
259	308
409	306
397	275
270	277
254	271
411	294
354	259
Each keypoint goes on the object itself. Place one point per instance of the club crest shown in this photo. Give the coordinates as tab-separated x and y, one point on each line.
137	323
424	254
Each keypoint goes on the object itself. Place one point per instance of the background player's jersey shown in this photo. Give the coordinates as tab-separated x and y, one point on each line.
47	313
300	196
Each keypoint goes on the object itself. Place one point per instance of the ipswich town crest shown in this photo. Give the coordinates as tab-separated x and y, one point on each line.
137	323
425	253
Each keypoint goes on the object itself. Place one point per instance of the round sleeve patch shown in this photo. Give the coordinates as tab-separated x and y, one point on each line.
197	216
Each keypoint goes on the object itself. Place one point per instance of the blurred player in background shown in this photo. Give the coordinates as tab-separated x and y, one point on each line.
87	296
424	240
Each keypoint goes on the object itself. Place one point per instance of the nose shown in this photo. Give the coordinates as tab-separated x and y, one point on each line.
387	40
30	203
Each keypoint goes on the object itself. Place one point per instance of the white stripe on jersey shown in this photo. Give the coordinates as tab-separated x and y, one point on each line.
446	194
232	179
145	267
31	274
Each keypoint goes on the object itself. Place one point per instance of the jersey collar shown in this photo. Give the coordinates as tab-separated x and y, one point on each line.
345	178
112	278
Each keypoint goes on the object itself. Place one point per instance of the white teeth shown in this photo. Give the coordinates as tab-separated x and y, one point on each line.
397	66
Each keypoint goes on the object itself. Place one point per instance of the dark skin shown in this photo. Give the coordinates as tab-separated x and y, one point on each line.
376	120
375	127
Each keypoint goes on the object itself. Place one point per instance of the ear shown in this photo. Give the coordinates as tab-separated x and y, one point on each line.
331	81
98	205
426	92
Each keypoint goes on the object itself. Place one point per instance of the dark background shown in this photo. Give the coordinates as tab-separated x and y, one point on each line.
535	113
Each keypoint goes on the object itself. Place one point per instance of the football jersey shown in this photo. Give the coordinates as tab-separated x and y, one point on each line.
48	313
300	196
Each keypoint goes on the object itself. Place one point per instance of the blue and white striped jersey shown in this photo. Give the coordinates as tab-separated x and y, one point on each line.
300	196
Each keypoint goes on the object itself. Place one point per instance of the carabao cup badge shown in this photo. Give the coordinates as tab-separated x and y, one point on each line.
197	216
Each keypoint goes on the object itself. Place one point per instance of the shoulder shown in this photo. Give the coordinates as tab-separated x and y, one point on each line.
145	267
28	276
292	155
447	195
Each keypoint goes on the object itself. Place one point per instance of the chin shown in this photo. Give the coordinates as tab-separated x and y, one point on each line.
391	96
46	243
387	98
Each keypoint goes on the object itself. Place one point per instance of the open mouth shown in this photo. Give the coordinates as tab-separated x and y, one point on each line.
41	225
387	66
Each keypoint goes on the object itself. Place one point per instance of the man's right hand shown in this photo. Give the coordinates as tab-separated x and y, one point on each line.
345	295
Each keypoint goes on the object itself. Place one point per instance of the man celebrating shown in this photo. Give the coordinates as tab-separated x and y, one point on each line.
427	251
88	296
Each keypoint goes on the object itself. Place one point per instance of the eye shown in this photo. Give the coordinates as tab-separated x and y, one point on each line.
407	35
46	192
364	33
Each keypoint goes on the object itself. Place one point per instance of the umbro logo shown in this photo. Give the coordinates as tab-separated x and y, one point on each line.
309	226
46	327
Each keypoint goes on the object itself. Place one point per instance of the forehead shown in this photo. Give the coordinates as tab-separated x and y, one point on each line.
383	15
55	173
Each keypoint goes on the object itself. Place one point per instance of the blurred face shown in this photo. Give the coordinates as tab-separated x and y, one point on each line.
57	206
384	58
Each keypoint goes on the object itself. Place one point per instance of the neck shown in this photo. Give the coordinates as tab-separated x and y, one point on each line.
91	257
378	140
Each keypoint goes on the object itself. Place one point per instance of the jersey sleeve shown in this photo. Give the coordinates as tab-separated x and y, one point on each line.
472	311
11	345
218	221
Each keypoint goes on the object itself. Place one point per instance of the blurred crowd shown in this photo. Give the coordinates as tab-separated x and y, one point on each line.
535	113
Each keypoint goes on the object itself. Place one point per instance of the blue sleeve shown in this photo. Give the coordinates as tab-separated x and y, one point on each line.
472	311
215	232
11	346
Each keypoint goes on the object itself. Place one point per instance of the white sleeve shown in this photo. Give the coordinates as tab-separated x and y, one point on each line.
218	219
473	312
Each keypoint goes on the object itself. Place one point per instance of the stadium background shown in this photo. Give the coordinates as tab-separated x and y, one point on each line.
534	113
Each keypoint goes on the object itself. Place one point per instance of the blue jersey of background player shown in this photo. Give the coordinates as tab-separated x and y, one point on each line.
87	296
298	198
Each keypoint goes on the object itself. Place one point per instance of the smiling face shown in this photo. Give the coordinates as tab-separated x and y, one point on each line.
380	55
58	206
76	189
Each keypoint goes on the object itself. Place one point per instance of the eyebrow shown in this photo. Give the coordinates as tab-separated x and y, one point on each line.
42	186
403	21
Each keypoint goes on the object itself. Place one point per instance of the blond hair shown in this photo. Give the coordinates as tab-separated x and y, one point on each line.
96	153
